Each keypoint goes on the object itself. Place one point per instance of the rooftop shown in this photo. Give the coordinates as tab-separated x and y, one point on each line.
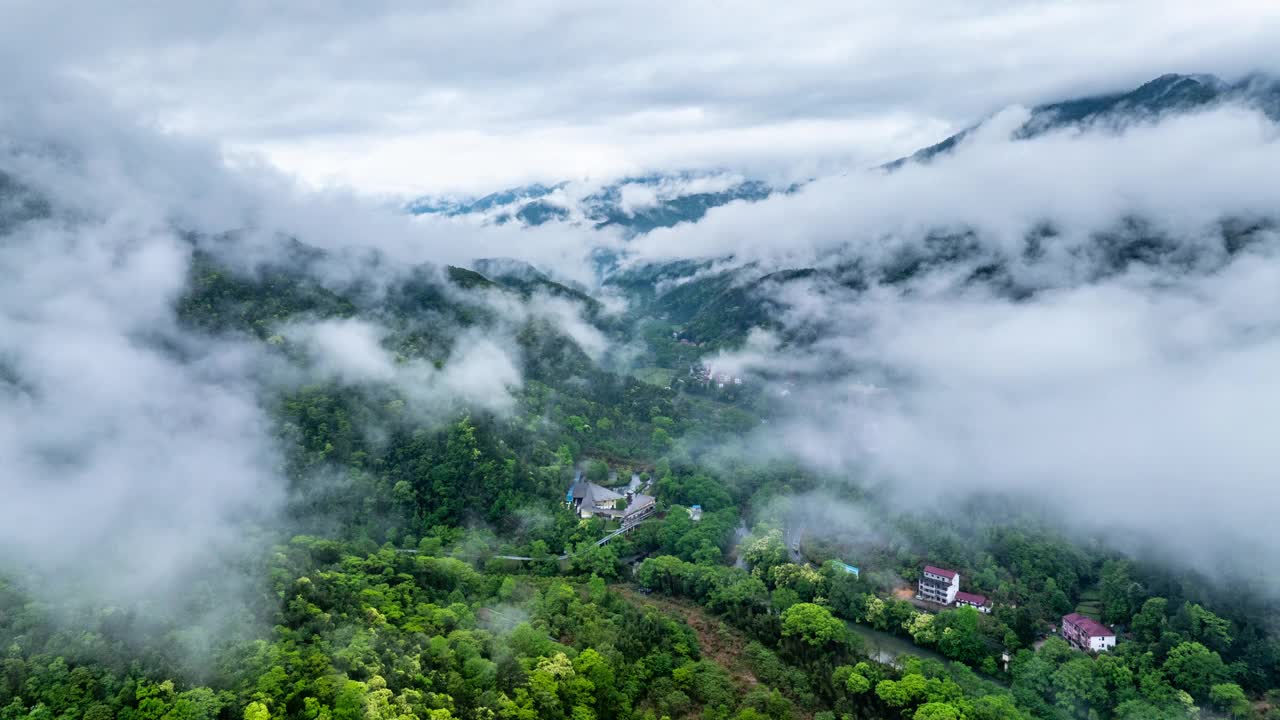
940	571
638	502
974	598
601	499
1088	625
592	494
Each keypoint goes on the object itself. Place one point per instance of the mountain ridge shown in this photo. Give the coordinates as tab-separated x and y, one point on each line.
1169	94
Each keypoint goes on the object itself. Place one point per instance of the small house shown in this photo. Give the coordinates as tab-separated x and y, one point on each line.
1087	634
978	602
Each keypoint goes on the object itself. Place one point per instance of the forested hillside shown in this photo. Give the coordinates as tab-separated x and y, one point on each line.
684	446
382	594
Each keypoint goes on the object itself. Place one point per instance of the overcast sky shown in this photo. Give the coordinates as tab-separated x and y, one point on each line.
407	97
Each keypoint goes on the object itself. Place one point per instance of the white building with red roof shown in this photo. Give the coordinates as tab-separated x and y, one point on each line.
1087	634
979	602
939	585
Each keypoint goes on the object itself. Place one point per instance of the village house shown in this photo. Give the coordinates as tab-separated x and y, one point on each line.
973	600
588	499
695	512
939	585
1087	634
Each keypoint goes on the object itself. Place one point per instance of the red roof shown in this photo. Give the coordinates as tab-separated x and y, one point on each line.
1088	625
939	571
974	598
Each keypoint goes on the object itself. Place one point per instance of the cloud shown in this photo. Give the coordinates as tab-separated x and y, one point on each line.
348	350
1129	389
480	372
401	97
564	315
136	456
1183	175
130	450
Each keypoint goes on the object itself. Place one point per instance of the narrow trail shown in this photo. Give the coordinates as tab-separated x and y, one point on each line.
720	643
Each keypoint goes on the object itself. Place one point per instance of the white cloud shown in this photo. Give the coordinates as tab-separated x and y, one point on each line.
480	372
1135	400
1184	174
348	350
401	97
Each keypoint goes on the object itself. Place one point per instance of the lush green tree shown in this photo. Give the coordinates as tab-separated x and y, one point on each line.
1117	592
765	553
1230	698
901	693
1149	623
1076	689
1194	668
936	711
958	635
812	624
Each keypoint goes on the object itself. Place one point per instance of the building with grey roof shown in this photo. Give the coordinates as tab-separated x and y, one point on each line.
588	499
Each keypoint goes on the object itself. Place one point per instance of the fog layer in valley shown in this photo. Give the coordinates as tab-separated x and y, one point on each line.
1094	341
137	452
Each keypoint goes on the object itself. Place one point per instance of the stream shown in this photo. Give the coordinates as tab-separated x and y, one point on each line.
886	648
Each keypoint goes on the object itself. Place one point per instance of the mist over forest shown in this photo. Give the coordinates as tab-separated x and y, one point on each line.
414	381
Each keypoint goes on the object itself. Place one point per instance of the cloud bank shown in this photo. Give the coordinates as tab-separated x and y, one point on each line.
1098	331
135	452
396	96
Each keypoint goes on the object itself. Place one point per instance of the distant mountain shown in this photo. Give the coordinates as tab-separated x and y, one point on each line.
502	199
717	306
636	205
1166	95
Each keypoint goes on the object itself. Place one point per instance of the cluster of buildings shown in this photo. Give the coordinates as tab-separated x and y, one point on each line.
707	374
588	499
942	586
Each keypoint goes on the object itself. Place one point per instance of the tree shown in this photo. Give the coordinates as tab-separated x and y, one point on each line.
256	711
765	553
1077	689
1116	586
599	560
1148	624
921	629
1206	627
564	456
958	636
856	684
1194	668
812	624
803	579
660	438
996	707
936	711
597	471
901	693
1230	698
